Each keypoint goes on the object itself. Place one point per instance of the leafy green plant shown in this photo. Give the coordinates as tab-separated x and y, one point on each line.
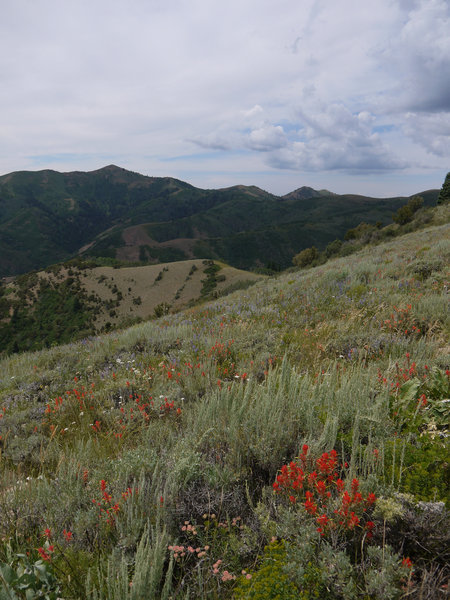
28	580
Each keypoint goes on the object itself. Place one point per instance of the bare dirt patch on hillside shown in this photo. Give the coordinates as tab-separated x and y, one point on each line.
136	236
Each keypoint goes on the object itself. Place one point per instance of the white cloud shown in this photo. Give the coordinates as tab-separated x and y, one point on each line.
323	137
418	58
267	138
336	139
306	85
431	131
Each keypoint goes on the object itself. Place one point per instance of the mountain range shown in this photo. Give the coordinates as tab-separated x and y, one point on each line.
48	217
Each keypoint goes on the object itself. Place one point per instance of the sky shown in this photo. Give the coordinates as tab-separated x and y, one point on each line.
344	95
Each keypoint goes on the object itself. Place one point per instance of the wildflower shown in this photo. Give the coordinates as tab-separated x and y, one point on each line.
339	485
45	555
407	562
309	505
370	527
321	487
371	499
353	521
48	533
322	520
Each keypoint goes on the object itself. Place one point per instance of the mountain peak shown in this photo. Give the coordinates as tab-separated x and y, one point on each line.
110	169
306	193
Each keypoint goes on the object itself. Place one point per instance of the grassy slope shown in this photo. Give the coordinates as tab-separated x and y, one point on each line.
67	302
308	357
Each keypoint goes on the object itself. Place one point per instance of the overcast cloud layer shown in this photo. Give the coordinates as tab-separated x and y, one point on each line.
342	94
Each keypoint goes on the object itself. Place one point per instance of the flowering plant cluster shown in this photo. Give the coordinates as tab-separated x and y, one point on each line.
323	494
108	506
202	544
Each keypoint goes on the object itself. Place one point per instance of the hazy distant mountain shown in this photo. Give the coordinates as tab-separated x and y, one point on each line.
47	217
305	193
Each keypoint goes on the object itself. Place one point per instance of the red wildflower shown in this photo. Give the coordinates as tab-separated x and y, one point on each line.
44	555
309	505
321	487
322	520
353	521
67	535
371	499
407	562
370	527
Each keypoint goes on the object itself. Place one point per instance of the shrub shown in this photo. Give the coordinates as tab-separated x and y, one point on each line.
305	257
269	581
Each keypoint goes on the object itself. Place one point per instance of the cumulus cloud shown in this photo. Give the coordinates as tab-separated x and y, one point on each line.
336	139
419	57
430	130
267	138
320	137
246	129
301	85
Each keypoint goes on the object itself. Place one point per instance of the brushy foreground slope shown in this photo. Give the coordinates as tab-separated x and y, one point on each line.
287	441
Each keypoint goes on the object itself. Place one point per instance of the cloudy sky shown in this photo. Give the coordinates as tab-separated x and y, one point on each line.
339	94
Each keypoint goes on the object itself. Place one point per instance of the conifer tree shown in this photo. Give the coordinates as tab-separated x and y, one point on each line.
444	194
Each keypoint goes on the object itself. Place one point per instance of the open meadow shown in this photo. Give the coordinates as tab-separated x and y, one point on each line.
289	440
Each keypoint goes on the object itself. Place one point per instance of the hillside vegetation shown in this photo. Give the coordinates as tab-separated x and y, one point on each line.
76	300
48	217
285	441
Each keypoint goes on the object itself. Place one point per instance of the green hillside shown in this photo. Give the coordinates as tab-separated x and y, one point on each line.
48	217
249	232
79	299
289	440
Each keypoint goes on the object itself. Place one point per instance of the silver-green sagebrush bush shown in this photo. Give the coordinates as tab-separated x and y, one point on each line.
112	445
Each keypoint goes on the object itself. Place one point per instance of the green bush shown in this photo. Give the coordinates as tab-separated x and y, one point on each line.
269	581
305	257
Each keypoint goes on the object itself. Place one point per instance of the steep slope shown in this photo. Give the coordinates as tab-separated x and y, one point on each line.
292	436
